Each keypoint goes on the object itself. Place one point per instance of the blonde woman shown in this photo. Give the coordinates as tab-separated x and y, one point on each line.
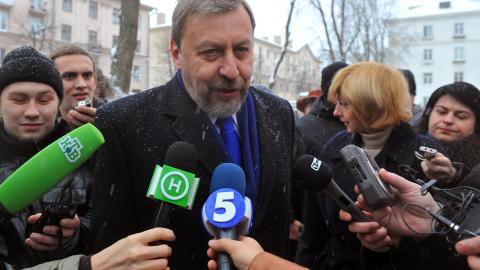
373	102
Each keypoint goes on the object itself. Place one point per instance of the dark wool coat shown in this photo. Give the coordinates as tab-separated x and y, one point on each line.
138	130
316	128
312	131
74	189
326	242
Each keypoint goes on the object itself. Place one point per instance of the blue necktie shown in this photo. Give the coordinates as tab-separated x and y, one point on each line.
230	138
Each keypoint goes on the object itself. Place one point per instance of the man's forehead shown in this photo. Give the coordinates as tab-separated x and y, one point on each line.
73	61
243	29
28	89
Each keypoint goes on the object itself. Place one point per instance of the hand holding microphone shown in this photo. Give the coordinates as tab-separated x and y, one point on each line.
242	252
395	217
391	220
133	252
227	212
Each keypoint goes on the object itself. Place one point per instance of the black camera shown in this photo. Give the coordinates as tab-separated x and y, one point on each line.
365	171
52	215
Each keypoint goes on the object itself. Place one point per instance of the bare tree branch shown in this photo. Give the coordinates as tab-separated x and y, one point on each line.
318	6
271	82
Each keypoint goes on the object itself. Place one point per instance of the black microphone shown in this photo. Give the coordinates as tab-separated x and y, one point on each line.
174	182
316	176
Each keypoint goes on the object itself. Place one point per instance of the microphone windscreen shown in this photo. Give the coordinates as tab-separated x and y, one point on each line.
182	155
315	174
228	175
48	167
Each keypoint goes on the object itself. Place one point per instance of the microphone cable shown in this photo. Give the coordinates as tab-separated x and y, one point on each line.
454	219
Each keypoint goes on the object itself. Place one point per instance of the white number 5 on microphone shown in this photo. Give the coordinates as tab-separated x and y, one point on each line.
224	201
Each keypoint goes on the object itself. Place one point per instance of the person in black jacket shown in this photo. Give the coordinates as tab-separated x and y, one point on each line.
372	100
312	131
319	125
31	90
215	67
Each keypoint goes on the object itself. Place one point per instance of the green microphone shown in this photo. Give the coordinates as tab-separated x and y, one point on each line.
48	167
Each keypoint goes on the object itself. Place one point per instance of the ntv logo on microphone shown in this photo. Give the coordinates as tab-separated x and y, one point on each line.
71	148
174	186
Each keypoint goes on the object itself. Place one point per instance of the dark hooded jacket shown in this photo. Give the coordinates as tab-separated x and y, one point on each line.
73	190
317	127
312	131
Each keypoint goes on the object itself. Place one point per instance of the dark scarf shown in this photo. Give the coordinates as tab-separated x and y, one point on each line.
12	147
249	141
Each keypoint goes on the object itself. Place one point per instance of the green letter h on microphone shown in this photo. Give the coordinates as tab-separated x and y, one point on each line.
174	186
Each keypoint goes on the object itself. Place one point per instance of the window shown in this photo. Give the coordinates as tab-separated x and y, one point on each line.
67	5
136	73
458	30
2	55
427	31
37	4
92	37
427	78
458	54
116	15
3	21
444	4
427	55
66	32
137	49
458	76
115	41
36	27
93	9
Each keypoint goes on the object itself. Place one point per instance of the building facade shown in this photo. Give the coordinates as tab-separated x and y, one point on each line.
439	42
299	71
91	24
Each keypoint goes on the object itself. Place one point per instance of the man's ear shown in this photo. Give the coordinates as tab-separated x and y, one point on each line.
175	51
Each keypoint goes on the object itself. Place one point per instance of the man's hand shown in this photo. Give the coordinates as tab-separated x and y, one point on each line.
393	218
439	168
242	252
295	230
133	252
81	116
471	248
48	241
372	235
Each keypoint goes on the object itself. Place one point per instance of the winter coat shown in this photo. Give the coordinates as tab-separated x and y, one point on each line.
326	243
316	128
74	189
69	263
141	127
465	154
312	131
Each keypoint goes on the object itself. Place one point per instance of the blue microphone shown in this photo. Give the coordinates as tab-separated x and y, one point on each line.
227	213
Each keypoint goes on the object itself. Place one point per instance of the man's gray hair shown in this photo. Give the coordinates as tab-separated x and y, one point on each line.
186	8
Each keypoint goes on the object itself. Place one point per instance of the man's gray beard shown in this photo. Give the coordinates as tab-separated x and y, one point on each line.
219	109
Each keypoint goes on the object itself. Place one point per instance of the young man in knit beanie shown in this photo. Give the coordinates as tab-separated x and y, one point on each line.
30	93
